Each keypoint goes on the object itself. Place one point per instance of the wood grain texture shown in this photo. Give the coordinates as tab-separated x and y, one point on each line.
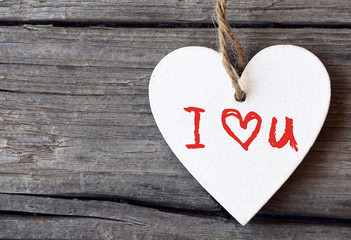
178	11
75	118
76	219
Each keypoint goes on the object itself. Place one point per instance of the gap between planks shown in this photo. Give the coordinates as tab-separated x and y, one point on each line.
116	24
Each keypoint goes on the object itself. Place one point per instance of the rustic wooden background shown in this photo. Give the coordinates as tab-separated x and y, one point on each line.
81	155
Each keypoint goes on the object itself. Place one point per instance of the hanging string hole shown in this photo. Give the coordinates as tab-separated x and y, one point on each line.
242	98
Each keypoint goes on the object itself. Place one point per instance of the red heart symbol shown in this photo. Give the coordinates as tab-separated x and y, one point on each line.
243	123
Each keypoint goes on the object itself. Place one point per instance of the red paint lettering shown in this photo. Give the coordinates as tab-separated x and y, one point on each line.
197	112
288	135
243	123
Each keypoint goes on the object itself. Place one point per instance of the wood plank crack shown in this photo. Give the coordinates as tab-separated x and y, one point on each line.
87	207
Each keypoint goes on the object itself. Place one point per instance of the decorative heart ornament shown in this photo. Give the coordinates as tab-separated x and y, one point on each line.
241	153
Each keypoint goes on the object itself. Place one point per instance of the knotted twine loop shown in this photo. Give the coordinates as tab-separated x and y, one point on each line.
224	31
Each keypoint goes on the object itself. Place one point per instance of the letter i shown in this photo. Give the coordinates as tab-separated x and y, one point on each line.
197	112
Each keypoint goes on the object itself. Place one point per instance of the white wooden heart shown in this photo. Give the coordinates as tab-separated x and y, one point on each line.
280	81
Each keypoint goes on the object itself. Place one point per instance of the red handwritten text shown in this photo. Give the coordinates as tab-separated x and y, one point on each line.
288	135
198	112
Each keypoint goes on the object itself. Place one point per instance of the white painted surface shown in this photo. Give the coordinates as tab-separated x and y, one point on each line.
280	81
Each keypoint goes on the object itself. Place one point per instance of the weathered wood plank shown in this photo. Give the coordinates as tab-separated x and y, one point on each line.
163	228
178	11
107	220
75	117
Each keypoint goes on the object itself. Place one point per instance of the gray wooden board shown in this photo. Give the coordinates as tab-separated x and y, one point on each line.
76	219
75	118
181	11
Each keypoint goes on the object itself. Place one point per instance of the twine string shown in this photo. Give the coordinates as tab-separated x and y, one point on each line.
224	32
